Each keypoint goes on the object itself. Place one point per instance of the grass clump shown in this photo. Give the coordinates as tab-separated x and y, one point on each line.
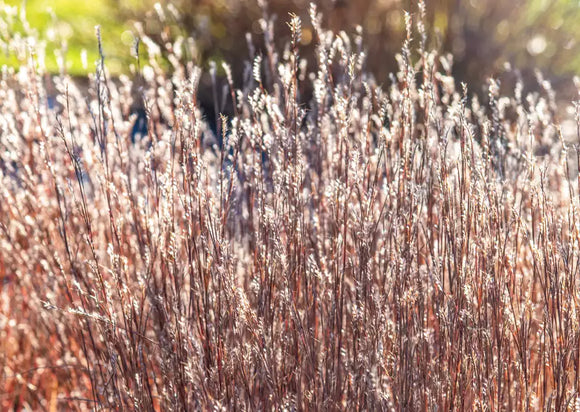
371	247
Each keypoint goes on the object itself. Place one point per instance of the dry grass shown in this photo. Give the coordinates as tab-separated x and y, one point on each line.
396	248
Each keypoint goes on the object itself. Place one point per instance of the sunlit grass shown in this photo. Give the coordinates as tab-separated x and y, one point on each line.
333	244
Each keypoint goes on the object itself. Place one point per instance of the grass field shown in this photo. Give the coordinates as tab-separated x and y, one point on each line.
333	244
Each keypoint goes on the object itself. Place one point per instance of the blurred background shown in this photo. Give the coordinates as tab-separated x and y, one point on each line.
482	35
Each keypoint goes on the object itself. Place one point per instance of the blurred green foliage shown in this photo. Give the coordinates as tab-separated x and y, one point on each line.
67	30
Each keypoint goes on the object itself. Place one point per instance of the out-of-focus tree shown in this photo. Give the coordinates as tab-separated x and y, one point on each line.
528	34
481	34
